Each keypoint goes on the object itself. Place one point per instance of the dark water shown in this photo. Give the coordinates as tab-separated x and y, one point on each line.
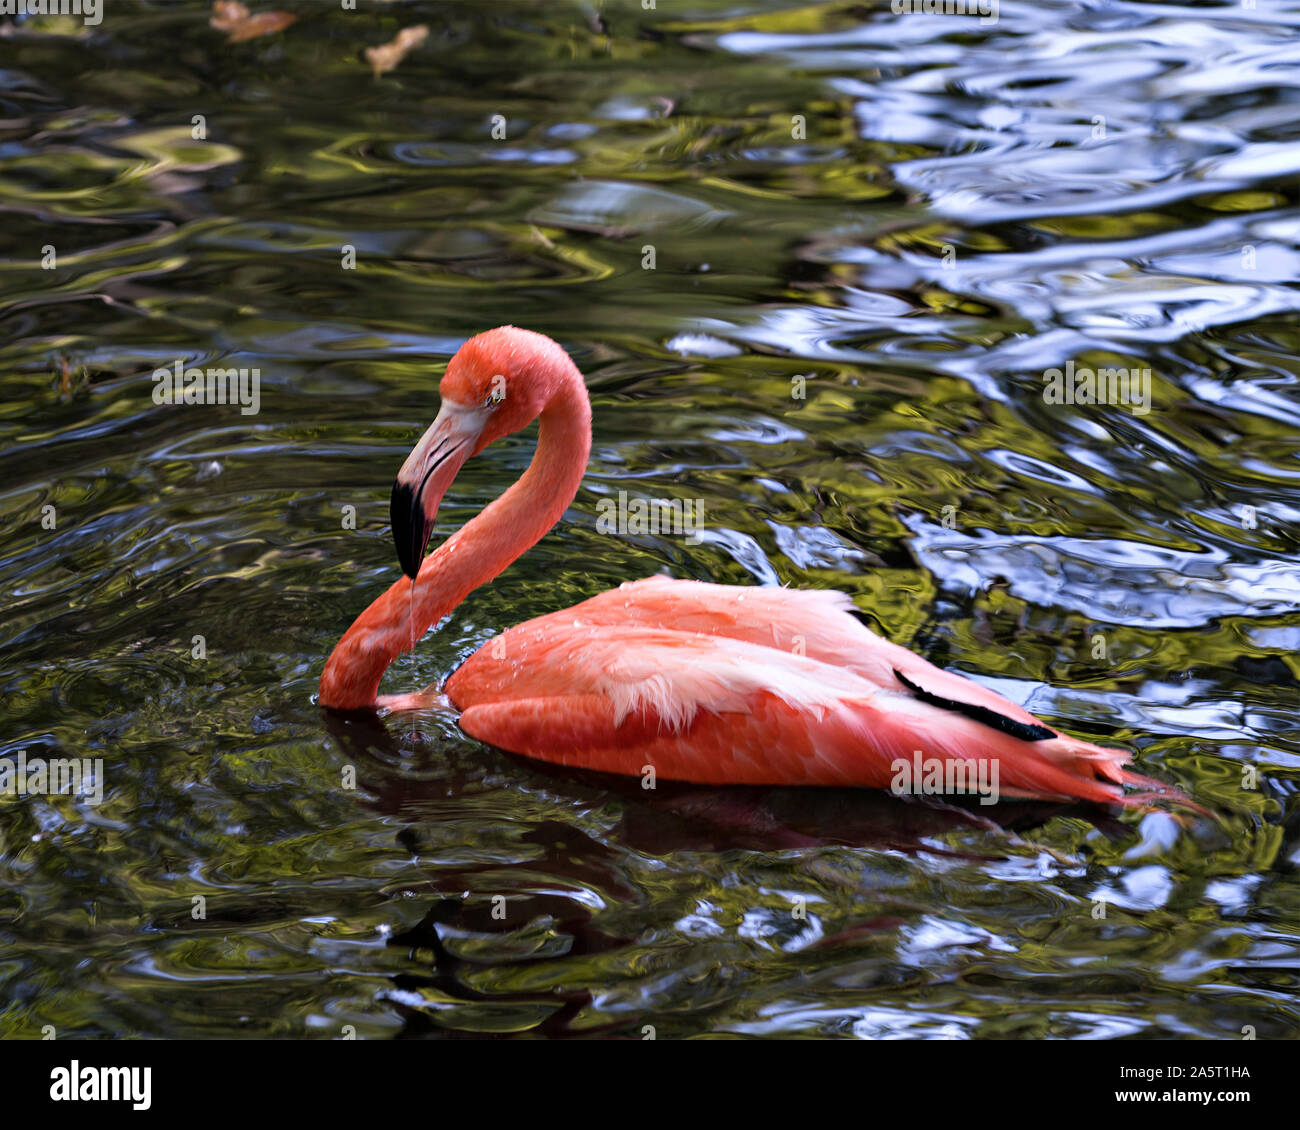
964	207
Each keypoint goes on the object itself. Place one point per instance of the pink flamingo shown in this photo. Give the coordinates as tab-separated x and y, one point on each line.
713	684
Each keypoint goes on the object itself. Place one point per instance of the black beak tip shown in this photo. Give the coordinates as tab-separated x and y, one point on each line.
410	533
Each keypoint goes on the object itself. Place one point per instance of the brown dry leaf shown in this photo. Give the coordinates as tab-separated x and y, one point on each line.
384	58
71	380
234	17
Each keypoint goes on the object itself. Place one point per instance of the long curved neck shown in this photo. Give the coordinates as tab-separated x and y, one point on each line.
472	556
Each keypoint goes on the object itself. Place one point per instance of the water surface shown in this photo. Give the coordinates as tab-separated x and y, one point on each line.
909	219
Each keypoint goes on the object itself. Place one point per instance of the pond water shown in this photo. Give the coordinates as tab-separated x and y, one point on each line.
817	263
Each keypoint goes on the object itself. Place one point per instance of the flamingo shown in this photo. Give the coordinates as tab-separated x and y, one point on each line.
705	683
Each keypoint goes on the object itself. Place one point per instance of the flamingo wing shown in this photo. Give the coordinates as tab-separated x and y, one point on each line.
587	688
817	623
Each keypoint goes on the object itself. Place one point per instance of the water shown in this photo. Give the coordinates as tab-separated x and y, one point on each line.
917	215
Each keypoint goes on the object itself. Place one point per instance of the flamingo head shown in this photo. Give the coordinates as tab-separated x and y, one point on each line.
497	383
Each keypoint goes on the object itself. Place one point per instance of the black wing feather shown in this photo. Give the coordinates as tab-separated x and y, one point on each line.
1022	730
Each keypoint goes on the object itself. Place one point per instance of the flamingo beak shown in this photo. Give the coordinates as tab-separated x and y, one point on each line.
425	477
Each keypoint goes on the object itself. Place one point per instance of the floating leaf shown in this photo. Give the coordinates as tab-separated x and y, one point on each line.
234	17
385	57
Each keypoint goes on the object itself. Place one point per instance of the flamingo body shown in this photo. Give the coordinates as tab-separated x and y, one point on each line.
723	685
712	684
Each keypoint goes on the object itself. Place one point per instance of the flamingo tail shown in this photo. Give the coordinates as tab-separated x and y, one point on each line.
1109	765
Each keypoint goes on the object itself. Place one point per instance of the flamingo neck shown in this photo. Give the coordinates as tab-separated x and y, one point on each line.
472	556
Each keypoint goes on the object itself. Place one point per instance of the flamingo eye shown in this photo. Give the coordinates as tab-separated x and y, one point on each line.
498	393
